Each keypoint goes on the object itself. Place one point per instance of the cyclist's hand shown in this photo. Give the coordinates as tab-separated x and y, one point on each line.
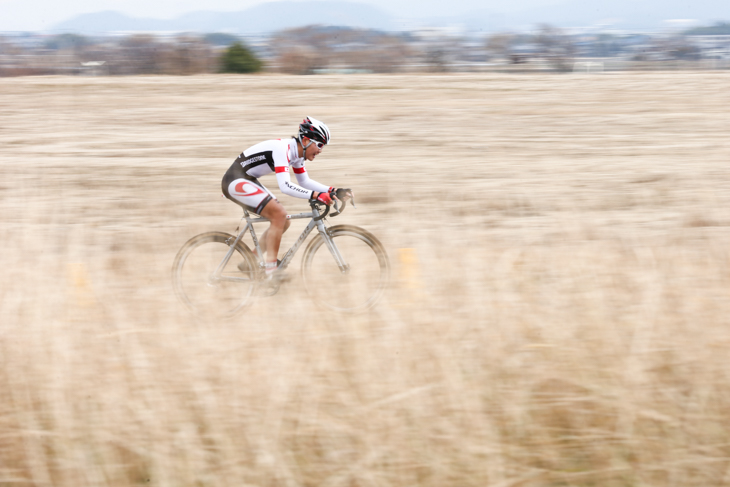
340	193
322	198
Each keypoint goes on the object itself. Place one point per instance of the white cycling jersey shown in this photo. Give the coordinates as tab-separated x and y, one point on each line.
241	184
277	156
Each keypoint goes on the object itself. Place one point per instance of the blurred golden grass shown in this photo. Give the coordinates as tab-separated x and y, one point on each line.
558	316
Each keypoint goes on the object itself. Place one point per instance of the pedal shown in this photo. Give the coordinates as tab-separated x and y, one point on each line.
281	277
269	287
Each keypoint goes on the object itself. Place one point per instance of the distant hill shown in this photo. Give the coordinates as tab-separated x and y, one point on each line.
621	14
109	21
262	18
650	14
272	16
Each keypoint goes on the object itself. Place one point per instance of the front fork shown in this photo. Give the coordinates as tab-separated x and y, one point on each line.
341	263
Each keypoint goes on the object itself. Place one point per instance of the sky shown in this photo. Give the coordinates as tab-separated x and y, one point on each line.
30	15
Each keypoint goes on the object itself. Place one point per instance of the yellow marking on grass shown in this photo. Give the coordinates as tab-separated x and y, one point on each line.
79	285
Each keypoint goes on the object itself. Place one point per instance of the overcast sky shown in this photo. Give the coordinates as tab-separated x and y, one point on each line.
19	15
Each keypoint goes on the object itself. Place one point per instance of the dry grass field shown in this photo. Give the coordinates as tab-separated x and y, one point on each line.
559	311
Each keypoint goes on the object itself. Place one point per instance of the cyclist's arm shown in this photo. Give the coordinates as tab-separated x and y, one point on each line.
281	166
306	182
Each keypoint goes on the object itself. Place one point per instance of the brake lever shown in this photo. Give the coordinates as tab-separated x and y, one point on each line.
352	199
322	215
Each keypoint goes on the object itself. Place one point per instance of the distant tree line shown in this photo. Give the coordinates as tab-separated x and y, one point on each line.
720	28
322	49
559	50
131	55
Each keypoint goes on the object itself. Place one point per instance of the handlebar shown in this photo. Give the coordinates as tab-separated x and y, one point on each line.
338	209
316	204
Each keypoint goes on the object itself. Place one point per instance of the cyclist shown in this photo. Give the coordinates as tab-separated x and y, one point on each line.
241	185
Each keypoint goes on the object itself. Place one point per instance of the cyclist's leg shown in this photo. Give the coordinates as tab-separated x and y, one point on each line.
276	214
264	237
252	195
248	193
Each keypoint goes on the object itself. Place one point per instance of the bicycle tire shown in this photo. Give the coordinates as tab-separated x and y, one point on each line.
192	275
365	280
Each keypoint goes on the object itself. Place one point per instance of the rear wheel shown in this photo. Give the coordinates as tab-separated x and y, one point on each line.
359	283
207	286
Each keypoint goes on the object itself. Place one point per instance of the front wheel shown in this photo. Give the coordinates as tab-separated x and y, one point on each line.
358	281
207	283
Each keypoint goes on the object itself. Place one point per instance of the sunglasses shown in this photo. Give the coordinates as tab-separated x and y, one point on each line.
318	144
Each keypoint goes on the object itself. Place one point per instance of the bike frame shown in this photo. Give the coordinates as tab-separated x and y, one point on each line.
319	224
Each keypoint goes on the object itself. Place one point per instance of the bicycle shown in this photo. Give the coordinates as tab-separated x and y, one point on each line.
216	272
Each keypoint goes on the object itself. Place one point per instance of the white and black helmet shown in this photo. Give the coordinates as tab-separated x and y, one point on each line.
314	129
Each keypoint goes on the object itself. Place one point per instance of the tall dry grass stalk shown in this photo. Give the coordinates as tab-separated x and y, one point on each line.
558	316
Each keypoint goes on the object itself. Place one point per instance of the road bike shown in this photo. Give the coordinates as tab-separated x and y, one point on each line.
344	267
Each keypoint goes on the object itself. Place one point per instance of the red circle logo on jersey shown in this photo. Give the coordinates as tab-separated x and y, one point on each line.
240	191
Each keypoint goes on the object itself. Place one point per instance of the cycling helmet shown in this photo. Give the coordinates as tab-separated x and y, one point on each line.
315	130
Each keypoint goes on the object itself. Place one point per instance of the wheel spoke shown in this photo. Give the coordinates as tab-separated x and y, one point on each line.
235	279
362	282
199	289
